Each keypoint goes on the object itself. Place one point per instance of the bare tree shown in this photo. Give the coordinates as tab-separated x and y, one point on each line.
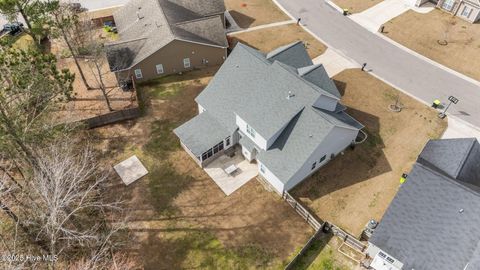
66	21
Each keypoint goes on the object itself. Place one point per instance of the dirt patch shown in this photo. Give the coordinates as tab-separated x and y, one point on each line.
360	184
426	33
269	39
179	216
355	6
250	13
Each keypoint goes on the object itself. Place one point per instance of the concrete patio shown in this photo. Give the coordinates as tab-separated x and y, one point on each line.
230	183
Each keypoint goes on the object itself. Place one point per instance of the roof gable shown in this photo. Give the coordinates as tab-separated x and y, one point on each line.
317	75
293	54
159	22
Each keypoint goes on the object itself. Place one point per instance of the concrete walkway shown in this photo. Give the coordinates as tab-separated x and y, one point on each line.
262	27
334	62
374	17
403	69
460	129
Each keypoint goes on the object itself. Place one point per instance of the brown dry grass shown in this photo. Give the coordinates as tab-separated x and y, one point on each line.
420	32
268	39
250	13
356	6
360	185
179	217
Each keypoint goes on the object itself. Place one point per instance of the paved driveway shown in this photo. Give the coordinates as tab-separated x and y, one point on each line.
403	70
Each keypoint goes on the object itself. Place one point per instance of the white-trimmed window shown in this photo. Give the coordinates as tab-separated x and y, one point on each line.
138	73
251	131
262	168
466	12
186	62
448	4
314	165
159	68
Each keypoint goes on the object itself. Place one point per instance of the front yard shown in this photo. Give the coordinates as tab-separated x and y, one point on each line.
250	13
356	6
271	38
360	184
179	217
427	33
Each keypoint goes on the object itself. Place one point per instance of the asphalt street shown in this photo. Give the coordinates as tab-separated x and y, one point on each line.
398	67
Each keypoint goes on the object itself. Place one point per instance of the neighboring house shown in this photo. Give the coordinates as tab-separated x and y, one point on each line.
159	37
433	223
282	110
468	10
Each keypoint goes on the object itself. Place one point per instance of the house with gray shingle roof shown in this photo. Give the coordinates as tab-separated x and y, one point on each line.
160	37
281	109
433	223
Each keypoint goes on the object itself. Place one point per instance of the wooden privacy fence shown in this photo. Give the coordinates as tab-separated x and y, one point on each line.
113	117
303	250
302	211
351	240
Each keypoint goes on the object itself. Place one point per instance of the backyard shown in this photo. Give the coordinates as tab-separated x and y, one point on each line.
250	13
271	38
359	185
441	37
355	6
179	218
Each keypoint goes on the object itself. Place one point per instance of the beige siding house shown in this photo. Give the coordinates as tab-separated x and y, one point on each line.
468	10
161	37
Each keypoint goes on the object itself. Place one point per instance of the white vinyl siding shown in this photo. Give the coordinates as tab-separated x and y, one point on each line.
159	68
186	62
138	74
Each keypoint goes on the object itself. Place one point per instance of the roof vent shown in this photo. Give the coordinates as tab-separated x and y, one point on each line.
460	211
290	95
139	17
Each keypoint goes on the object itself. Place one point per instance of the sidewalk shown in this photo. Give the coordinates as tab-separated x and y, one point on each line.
262	27
373	18
334	62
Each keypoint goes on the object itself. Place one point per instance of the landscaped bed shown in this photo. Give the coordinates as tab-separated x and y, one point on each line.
356	6
179	217
250	13
359	185
427	33
271	38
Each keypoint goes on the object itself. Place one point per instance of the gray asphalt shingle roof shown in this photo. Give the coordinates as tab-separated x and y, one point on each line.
433	221
201	133
157	23
256	88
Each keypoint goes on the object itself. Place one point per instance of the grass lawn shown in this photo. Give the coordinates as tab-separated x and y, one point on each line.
356	6
323	254
179	217
360	184
421	33
250	13
268	39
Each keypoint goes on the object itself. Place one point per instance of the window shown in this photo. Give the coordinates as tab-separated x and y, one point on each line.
390	260
159	68
322	159
448	5
186	62
466	12
382	255
217	148
138	73
262	168
227	141
314	165
251	131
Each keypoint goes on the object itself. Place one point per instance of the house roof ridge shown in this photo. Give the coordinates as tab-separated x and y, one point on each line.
309	69
282	49
464	159
197	20
124	41
455	182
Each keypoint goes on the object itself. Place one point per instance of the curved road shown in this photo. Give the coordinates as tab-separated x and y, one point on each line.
406	71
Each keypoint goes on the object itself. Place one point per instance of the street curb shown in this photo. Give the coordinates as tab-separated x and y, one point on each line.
377	76
410	51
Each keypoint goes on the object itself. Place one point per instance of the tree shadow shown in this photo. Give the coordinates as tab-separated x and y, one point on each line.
341	86
320	242
364	162
244	21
